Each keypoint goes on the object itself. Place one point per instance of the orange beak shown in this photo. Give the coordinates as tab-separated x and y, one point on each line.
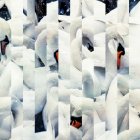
3	47
56	56
119	54
76	124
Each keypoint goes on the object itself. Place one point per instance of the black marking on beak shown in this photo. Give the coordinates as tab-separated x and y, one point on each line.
79	119
4	43
56	55
121	48
87	43
138	114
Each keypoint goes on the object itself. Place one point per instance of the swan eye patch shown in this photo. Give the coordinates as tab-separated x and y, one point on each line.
88	44
4	43
90	48
121	48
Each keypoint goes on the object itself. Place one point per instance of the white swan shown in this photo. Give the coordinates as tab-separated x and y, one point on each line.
134	56
135	98
9	86
46	43
29	105
5	118
91	84
43	88
115	106
114	57
11	74
11	116
50	111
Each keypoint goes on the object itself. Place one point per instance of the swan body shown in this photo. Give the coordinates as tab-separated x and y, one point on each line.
85	85
10	86
11	116
91	84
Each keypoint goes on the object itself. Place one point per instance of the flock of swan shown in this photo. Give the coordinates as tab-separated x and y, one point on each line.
79	72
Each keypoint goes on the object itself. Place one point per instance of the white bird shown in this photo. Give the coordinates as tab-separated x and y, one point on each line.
135	98
47	43
5	118
11	116
91	84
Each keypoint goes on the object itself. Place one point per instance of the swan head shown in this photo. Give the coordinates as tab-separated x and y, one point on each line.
117	50
5	37
120	52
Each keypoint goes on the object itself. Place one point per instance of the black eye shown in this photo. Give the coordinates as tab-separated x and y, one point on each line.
88	44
